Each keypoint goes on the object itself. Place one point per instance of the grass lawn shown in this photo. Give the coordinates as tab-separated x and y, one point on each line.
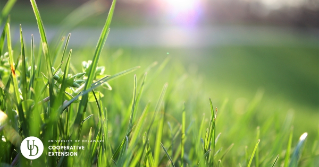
222	106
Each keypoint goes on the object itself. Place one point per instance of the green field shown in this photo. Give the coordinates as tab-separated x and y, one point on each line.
218	106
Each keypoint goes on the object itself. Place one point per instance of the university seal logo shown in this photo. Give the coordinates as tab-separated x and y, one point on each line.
31	148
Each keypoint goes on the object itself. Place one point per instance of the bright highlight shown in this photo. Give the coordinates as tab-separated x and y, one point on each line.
303	136
182	11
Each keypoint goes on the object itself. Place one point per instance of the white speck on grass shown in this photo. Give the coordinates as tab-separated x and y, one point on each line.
303	136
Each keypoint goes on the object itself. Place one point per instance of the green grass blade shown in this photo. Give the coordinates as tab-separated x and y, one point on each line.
297	152
160	100
11	61
95	85
183	136
288	149
32	71
119	150
136	159
138	127
257	150
58	49
226	151
45	50
91	74
6	9
65	75
158	142
140	91
276	159
42	35
65	47
253	154
23	72
40	24
15	81
133	106
210	134
169	157
2	38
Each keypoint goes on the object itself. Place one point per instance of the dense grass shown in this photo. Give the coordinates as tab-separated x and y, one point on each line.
161	116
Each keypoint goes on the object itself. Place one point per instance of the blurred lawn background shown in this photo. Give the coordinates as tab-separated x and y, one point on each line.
282	60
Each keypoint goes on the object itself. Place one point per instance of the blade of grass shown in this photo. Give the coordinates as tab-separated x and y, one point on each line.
257	150
6	9
169	157
288	149
15	81
23	72
65	47
65	75
276	159
133	106
158	142
139	125
183	136
297	152
45	50
149	159
253	154
226	151
13	71
58	49
91	74
95	85
210	135
3	36
32	66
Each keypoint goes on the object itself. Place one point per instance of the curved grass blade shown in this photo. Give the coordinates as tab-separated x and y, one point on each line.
95	85
130	125
257	150
169	157
297	152
210	133
42	35
138	127
140	90
158	142
253	154
288	149
135	101
136	159
91	74
132	144
13	71
24	73
32	65
6	9
45	50
65	75
273	165
3	35
15	81
58	49
65	47
183	136
226	151
157	108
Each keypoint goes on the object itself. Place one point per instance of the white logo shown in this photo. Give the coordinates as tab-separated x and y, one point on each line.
31	147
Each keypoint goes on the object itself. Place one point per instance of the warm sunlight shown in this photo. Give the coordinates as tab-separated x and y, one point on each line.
182	11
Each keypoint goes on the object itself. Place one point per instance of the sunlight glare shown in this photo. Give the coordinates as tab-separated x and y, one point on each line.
182	11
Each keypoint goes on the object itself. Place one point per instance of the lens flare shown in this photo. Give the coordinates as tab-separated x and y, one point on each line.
182	11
